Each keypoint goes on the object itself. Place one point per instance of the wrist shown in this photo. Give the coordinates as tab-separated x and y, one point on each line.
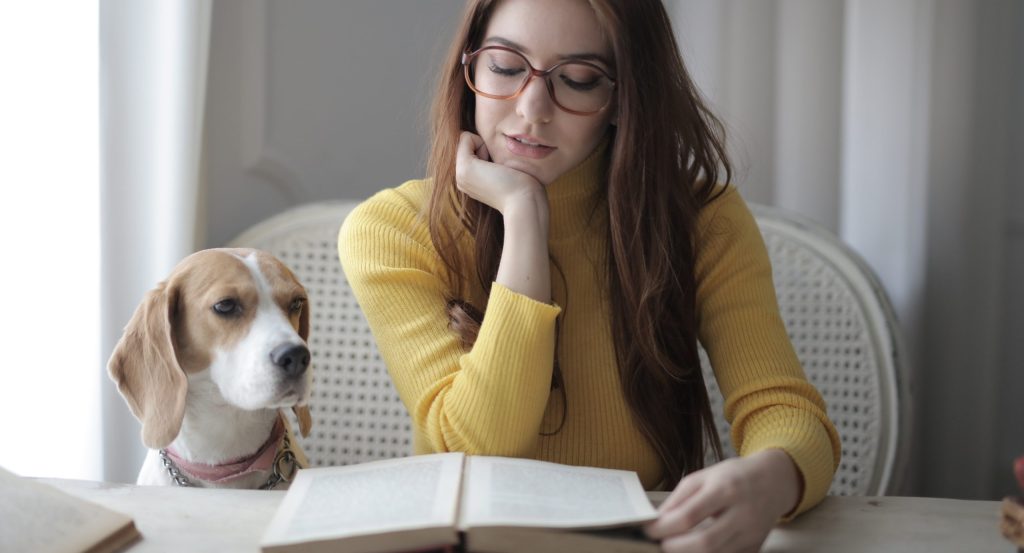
525	211
523	267
782	472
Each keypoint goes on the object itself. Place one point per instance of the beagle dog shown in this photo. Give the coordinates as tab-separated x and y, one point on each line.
206	363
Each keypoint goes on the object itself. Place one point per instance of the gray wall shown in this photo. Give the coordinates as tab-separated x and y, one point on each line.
316	99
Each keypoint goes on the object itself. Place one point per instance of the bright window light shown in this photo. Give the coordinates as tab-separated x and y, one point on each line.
49	221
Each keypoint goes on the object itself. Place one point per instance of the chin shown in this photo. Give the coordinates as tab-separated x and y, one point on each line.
529	169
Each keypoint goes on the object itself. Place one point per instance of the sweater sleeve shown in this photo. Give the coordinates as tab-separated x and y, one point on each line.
487	401
768	401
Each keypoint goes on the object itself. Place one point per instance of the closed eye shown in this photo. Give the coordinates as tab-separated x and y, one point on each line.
581	86
500	70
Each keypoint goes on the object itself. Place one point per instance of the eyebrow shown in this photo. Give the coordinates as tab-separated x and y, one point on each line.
586	56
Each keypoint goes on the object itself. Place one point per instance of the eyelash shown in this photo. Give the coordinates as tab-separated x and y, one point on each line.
582	87
504	71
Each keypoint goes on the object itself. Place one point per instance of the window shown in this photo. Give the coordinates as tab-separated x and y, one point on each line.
49	223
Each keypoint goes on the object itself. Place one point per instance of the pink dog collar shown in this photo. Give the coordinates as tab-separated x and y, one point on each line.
262	460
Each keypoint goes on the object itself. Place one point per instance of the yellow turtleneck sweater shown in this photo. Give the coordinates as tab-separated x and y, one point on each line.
496	399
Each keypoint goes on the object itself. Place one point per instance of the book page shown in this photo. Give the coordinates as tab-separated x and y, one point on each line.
38	517
377	497
499	491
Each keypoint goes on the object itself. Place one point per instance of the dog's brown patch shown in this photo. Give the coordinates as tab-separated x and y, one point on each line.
287	290
204	279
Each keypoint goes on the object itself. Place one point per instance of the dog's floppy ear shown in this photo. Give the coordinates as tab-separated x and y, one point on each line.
302	411
145	366
305	420
304	321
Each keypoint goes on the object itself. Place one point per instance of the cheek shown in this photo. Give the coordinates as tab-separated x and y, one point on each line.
201	334
590	131
581	136
487	115
241	364
193	342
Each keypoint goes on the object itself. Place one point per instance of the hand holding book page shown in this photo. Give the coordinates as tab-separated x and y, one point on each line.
40	518
425	501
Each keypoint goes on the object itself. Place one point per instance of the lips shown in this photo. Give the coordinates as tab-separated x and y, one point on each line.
527	146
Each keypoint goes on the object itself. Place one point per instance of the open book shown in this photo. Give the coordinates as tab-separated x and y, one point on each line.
496	504
40	518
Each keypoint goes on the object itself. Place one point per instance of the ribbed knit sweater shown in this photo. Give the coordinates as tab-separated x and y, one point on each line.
496	399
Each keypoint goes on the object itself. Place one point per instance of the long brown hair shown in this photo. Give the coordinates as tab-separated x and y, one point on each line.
666	155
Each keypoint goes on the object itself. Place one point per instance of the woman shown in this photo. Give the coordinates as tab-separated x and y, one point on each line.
573	209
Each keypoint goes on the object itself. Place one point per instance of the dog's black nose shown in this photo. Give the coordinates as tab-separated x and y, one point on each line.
293	359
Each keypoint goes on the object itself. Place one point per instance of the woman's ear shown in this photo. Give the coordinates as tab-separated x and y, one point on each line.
145	367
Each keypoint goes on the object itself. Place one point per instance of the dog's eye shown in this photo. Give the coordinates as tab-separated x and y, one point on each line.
227	307
297	305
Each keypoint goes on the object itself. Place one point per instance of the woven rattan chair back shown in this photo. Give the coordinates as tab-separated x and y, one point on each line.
842	327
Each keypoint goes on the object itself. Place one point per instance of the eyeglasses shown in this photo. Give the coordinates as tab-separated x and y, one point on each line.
576	86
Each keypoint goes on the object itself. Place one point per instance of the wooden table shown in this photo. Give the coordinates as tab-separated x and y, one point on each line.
200	520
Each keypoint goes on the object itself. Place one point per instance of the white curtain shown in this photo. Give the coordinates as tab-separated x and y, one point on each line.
898	126
152	92
49	235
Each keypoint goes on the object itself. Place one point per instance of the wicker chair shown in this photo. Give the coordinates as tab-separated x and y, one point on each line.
836	313
845	334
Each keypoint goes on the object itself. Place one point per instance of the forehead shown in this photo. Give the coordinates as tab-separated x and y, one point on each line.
208	267
234	268
549	30
275	272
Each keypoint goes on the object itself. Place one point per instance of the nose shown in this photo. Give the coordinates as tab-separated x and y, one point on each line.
535	103
290	358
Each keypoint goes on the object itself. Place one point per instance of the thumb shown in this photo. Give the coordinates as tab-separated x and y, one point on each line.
482	152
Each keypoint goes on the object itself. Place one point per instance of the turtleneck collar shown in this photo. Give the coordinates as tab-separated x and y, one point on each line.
572	197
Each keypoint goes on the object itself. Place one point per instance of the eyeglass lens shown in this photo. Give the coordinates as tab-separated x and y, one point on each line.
576	86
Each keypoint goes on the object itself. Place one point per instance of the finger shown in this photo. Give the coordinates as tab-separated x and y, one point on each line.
722	535
686	488
465	159
705	503
469	143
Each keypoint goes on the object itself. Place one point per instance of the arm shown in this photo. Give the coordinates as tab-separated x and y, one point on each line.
523	204
768	401
789	449
488	401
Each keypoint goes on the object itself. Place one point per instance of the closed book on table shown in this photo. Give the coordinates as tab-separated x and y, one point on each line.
39	518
